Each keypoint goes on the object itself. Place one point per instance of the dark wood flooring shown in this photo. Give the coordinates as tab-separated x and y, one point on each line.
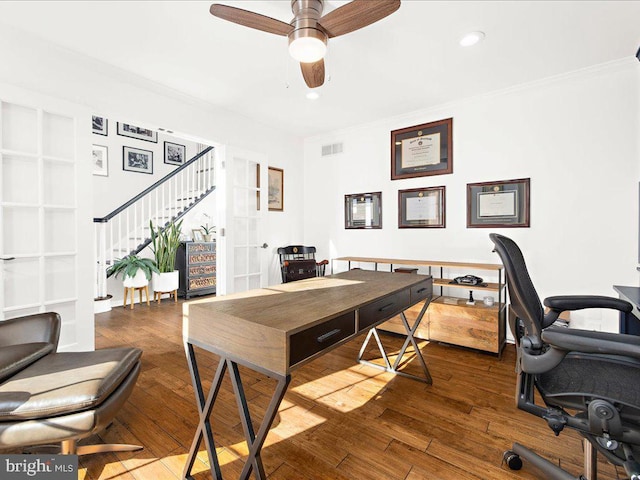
339	420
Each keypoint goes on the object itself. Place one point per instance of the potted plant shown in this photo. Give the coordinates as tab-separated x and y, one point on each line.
164	245
208	232
136	271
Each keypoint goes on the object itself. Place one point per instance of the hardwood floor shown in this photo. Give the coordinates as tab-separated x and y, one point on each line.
339	420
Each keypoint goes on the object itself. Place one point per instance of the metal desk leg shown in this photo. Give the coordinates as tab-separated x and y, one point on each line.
204	410
410	339
255	442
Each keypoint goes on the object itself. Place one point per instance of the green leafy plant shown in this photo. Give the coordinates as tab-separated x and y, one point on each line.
207	229
130	265
164	245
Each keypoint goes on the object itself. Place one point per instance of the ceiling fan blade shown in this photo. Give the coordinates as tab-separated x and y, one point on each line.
356	14
250	19
313	73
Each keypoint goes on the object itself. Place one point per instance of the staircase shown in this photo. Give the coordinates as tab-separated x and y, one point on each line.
125	231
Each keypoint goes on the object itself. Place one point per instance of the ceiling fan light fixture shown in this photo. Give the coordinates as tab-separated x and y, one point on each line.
471	39
307	45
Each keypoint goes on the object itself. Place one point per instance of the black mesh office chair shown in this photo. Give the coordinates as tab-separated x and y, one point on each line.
593	375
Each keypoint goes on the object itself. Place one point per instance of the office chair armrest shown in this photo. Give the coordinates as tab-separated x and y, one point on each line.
578	302
586	341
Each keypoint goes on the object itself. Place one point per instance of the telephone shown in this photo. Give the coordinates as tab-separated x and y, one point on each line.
467	280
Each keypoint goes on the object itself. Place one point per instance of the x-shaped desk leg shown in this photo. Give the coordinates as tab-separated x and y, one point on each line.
410	339
254	441
204	411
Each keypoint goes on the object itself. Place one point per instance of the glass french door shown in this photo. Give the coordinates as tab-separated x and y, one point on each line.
42	264
243	257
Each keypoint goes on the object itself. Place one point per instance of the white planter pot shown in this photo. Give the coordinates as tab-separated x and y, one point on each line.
137	281
165	282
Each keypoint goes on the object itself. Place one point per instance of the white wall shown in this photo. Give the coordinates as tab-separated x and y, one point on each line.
38	66
576	138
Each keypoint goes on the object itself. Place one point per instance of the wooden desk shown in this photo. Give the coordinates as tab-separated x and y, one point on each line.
277	329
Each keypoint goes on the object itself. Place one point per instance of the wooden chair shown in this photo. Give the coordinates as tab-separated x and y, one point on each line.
298	262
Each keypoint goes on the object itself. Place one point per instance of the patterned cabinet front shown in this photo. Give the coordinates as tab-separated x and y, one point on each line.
196	262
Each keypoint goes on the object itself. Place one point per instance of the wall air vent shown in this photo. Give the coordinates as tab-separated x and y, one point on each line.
332	149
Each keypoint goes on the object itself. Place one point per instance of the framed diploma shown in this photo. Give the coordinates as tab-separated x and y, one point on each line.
421	208
363	210
422	150
498	204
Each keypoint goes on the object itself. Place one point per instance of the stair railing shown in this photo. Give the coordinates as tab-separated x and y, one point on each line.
125	230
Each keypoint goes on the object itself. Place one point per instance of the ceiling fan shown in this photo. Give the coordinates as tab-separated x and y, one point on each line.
309	31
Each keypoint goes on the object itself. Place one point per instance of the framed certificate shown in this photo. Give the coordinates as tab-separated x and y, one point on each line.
422	150
421	208
363	210
498	204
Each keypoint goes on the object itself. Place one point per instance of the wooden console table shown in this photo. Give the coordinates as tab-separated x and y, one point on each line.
451	319
275	330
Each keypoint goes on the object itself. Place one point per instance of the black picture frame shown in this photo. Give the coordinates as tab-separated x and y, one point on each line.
499	204
139	133
99	125
422	207
422	150
363	210
174	153
137	160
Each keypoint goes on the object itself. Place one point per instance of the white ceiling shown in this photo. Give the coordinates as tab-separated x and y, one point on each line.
408	61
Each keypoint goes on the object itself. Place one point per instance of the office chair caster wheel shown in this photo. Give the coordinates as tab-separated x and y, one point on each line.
512	460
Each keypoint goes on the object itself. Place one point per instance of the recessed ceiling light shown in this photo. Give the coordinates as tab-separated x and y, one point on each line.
471	38
311	95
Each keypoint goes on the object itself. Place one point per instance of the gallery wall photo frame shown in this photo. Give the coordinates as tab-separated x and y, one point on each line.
276	189
100	155
422	150
422	207
99	125
174	153
137	160
499	204
131	131
363	210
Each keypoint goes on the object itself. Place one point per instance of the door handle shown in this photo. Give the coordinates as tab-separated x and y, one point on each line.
264	245
6	259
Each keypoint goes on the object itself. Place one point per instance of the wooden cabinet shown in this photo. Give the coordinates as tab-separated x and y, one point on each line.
449	318
196	262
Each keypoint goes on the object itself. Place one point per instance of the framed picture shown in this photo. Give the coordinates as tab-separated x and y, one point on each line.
363	210
100	156
137	160
498	204
422	150
198	235
174	153
127	130
421	208
276	189
99	125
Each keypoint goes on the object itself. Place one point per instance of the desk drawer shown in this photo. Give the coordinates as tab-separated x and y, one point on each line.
421	291
382	309
315	339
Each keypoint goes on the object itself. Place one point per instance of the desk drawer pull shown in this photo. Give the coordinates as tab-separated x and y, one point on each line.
424	289
328	335
386	307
